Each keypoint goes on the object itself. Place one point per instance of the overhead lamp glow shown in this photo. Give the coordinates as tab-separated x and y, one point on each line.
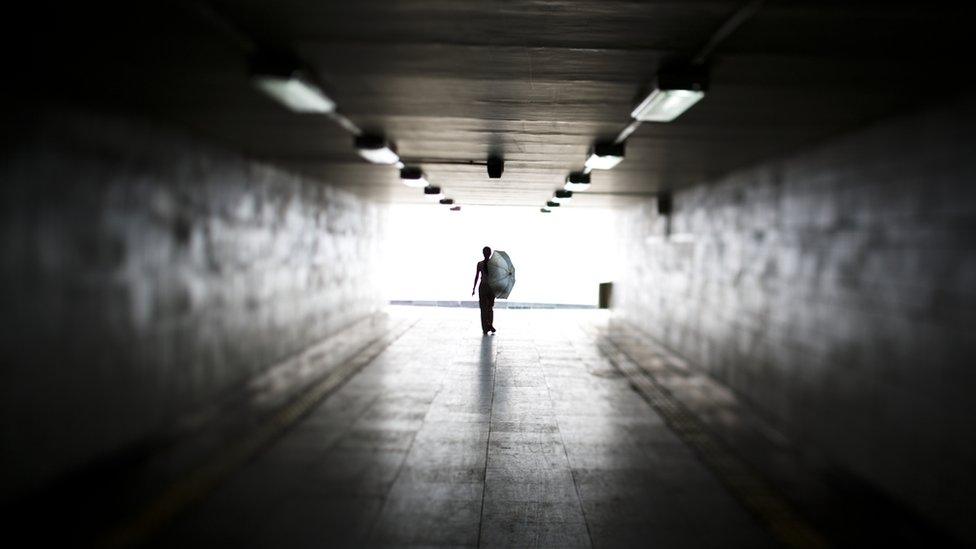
605	156
413	177
433	192
577	181
562	196
285	80
376	149
447	201
673	94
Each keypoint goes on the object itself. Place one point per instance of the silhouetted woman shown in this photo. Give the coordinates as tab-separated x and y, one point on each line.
486	297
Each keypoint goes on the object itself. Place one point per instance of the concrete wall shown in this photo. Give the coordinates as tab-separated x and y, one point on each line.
836	291
145	273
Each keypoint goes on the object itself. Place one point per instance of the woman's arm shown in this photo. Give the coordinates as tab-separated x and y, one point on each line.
477	272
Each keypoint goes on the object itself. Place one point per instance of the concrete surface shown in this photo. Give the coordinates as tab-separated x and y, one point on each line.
536	82
526	438
146	274
833	291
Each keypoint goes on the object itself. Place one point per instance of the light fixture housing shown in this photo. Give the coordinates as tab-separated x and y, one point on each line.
545	210
413	177
433	192
562	196
577	181
456	209
376	149
605	155
447	201
287	81
552	204
674	92
496	165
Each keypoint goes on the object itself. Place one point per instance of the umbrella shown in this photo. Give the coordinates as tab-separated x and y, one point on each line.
500	274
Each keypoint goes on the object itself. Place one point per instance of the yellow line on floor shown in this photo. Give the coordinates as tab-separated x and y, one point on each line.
201	481
745	484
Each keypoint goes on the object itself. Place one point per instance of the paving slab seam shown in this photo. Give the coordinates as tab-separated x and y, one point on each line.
202	480
484	474
572	470
745	484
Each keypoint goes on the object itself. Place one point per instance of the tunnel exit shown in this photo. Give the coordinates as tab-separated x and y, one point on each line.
560	258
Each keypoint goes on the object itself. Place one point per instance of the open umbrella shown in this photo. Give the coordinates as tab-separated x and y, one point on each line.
500	274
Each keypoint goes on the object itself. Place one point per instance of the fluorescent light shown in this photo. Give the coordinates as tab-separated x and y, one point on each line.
666	105
447	201
577	181
562	196
605	156
413	177
377	150
673	94
552	204
285	79
433	193
295	93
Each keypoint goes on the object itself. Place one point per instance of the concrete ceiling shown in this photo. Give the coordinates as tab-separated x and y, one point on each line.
536	81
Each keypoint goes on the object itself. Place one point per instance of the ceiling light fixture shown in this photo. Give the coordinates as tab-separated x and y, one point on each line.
605	155
552	204
456	209
545	210
562	196
376	149
496	165
287	81
447	201
413	177
433	192
577	181
674	93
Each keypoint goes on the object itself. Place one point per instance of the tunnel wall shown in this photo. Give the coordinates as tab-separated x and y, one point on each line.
146	273
834	290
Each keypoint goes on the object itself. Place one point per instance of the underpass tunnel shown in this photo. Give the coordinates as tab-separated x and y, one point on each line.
239	240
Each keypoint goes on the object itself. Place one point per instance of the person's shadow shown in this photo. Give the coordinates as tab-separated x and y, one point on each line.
486	377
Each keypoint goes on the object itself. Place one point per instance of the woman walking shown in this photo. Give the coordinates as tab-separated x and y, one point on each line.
486	297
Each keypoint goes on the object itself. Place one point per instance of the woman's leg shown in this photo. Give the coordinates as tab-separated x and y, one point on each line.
486	305
491	314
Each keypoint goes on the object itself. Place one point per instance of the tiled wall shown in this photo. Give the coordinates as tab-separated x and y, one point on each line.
145	273
836	291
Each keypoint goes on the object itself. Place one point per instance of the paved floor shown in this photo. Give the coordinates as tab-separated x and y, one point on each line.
526	438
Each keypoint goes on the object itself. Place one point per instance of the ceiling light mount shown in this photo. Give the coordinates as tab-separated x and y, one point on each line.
495	167
376	149
577	181
413	176
433	192
605	155
284	78
675	91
